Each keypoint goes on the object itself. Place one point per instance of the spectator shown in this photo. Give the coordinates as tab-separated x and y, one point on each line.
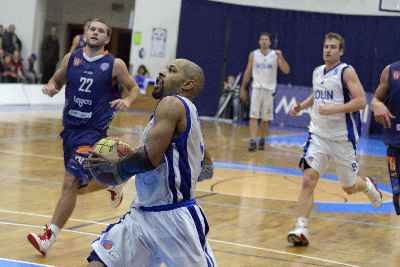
11	42
1	35
19	67
10	72
31	74
1	64
50	51
141	78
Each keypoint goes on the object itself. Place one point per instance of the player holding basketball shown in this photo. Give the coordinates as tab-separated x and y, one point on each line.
336	101
90	104
164	224
386	108
263	68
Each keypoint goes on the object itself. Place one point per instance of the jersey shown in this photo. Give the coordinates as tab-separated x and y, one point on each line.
88	93
174	180
265	70
329	88
391	136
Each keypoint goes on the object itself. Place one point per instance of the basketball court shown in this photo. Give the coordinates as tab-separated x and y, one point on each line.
249	203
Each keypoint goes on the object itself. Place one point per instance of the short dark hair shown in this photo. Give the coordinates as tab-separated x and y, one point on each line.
109	31
337	36
265	34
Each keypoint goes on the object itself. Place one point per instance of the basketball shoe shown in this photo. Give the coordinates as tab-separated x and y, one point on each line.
44	241
299	235
373	193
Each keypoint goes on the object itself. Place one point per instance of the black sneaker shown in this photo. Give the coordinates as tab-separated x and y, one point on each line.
261	144
252	145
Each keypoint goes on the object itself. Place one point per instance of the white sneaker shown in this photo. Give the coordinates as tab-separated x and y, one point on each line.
373	193
44	241
298	236
116	195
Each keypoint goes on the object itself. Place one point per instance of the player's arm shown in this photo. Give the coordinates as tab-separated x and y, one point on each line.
358	99
308	102
282	63
75	43
381	112
120	71
246	78
58	79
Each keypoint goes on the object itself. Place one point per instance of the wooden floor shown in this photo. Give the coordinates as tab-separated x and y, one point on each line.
249	203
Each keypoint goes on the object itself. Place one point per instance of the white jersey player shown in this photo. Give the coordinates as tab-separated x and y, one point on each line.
336	101
164	224
263	68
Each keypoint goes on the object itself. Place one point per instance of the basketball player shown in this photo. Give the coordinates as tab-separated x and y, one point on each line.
164	224
263	68
80	40
336	101
90	103
386	108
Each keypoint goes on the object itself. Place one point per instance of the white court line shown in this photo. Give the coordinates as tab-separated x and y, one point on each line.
48	216
281	252
211	240
27	262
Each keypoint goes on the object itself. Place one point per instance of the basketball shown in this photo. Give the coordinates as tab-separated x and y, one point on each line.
112	148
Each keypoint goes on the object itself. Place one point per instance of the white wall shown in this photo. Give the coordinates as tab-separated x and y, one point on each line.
355	7
151	14
23	14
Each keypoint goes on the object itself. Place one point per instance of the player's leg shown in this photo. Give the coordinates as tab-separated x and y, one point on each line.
314	162
393	157
255	115
267	114
344	154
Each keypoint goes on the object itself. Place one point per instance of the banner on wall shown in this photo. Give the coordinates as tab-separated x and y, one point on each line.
286	97
158	42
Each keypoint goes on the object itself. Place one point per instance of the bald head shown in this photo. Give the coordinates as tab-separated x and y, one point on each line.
192	71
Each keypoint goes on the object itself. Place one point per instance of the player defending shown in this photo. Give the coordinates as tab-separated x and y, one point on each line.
164	224
336	101
90	103
386	108
263	67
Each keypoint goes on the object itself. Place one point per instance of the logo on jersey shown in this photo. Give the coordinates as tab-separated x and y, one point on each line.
104	66
323	94
396	75
107	244
77	61
392	166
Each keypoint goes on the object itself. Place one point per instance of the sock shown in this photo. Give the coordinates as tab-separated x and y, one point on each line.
55	229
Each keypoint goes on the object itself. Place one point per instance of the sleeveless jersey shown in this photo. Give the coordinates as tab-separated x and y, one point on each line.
391	136
88	92
174	180
329	88
265	70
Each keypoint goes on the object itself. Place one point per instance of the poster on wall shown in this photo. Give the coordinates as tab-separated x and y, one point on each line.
158	42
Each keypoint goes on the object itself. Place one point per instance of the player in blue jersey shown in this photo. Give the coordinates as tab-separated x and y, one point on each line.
386	108
90	104
164	224
79	40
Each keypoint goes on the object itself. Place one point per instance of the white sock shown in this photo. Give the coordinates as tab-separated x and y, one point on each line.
55	229
303	221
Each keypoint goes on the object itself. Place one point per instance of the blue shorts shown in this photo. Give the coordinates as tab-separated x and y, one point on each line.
76	145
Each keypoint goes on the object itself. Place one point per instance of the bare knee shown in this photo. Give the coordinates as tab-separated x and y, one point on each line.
350	190
310	180
70	185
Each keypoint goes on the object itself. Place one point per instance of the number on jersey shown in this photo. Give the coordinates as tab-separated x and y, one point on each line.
86	83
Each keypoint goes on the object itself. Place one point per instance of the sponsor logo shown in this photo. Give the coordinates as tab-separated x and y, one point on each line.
396	75
77	61
263	66
79	114
323	94
81	101
104	66
107	244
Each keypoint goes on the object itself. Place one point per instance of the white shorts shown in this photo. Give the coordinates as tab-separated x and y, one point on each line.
319	152
262	104
148	238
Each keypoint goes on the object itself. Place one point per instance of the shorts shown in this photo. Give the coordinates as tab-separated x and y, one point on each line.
174	237
76	146
262	104
319	152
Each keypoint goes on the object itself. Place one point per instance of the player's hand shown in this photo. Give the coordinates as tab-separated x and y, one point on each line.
50	89
120	104
279	53
103	169
207	170
243	96
295	109
383	115
327	109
